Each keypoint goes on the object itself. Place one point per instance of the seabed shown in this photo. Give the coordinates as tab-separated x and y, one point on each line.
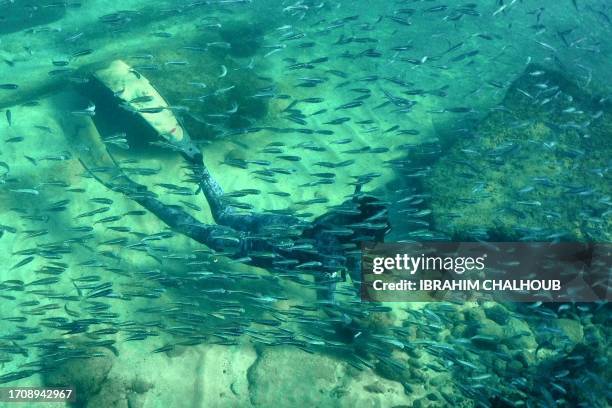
485	121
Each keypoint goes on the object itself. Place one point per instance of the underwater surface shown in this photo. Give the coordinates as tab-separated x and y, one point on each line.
185	188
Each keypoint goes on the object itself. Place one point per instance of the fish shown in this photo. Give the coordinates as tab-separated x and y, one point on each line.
343	100
344	163
90	110
112	218
338	121
23	262
350	105
93	212
15	139
30	191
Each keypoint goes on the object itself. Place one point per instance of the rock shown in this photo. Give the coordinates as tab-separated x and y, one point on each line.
519	335
86	375
113	395
473	315
497	313
135	400
16	17
140	386
376	387
287	377
501	183
245	37
223	375
572	329
489	334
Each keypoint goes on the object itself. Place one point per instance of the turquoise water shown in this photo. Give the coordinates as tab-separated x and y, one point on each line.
184	189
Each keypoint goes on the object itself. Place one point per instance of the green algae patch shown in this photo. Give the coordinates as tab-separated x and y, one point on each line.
535	167
16	16
211	91
245	38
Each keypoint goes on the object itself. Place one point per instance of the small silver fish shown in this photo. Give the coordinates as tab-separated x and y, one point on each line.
25	191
